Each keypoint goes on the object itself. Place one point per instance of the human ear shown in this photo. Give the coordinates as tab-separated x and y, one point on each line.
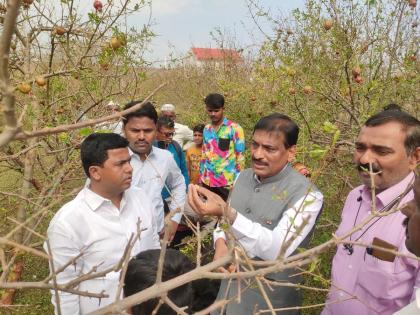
291	152
95	172
414	159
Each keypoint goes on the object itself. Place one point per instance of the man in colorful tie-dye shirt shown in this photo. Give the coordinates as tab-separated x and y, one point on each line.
223	147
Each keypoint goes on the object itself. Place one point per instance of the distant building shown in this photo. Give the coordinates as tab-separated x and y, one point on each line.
216	56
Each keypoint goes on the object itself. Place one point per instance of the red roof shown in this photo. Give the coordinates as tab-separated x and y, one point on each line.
202	54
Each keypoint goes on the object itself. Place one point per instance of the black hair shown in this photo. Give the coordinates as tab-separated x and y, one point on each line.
199	128
141	274
215	101
280	123
410	124
93	151
392	106
165	121
146	110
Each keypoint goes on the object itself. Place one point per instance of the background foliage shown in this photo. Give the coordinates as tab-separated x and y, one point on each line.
328	66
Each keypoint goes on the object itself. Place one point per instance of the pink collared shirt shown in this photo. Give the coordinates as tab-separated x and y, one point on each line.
360	283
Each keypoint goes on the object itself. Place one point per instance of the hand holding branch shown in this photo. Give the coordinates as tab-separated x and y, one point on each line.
205	202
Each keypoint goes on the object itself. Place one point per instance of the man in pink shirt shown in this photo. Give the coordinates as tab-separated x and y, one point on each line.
365	280
412	222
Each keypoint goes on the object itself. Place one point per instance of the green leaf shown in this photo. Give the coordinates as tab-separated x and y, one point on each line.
317	153
308	202
84	132
224	226
329	127
336	136
64	137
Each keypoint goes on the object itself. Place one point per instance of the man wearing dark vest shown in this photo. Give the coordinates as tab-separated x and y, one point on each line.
269	203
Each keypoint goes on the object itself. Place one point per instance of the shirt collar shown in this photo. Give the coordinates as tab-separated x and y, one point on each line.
388	195
279	176
95	201
225	122
132	153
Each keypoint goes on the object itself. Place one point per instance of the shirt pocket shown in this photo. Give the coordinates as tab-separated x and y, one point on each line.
224	144
386	281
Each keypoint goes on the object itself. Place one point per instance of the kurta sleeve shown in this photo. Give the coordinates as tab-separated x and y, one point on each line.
266	244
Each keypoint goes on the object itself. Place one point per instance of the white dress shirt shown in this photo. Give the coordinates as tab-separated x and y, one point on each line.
183	135
151	174
259	241
93	225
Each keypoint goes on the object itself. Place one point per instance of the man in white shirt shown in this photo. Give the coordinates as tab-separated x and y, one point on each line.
183	134
113	126
98	224
268	205
153	168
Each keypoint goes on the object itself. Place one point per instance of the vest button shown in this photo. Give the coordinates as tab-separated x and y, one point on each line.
247	210
257	189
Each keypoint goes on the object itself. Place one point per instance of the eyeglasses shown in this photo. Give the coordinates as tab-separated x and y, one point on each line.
167	134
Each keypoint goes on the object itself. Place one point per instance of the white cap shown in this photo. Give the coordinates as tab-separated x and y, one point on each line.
113	106
167	108
110	104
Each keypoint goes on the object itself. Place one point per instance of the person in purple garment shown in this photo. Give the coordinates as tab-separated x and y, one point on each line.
366	279
412	242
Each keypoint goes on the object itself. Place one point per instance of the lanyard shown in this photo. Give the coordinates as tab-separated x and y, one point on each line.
349	247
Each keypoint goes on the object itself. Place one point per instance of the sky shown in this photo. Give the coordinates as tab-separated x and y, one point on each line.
182	24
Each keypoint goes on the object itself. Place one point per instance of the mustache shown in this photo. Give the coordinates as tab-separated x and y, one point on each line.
258	161
365	168
142	142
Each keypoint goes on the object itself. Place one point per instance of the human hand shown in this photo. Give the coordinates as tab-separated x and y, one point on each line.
205	202
173	227
222	250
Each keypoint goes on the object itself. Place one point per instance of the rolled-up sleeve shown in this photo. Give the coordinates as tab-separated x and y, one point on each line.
266	244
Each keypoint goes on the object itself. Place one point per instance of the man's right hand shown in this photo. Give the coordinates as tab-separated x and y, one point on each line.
221	250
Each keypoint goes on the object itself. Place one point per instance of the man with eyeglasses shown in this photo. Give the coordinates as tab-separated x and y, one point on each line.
164	136
373	279
182	133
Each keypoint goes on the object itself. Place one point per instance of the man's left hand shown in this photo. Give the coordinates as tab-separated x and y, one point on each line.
173	226
205	202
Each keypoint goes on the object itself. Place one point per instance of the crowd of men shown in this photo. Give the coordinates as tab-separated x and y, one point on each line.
139	183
